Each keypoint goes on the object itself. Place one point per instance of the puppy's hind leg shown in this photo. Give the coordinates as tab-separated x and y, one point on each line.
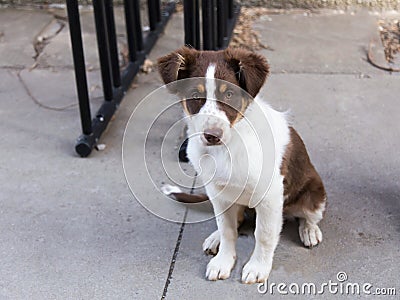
211	244
309	231
309	208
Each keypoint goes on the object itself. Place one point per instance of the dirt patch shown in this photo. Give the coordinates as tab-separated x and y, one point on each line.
390	36
244	35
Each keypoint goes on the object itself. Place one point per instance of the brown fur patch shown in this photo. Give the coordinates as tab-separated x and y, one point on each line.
303	187
251	68
177	64
193	106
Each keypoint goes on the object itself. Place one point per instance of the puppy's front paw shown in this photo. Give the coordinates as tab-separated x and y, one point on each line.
256	271
211	244
220	267
310	234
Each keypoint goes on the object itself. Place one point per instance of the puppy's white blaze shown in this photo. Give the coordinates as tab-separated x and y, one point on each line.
210	107
216	117
210	82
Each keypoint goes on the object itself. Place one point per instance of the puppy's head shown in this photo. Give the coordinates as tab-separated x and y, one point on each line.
222	84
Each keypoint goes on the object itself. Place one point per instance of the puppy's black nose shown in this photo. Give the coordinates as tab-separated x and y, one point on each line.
213	136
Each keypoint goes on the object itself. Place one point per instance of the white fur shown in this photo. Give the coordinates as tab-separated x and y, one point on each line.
221	265
211	244
210	84
168	189
309	232
235	168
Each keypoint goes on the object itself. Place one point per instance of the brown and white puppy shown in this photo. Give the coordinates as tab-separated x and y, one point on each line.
233	158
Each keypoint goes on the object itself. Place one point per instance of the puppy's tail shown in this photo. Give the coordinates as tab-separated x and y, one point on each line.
180	196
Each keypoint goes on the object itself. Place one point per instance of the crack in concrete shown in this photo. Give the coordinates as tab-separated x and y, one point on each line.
174	256
177	246
44	37
36	101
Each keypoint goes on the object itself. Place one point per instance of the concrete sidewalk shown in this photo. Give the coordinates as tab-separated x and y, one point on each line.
71	228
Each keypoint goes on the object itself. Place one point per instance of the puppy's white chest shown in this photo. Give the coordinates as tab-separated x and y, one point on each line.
229	173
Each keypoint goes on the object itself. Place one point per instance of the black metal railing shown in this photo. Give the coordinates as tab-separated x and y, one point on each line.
218	18
115	83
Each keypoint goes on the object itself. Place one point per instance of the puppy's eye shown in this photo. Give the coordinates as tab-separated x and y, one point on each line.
195	95
228	94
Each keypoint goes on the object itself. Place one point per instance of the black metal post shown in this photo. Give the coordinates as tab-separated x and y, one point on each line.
214	24
197	24
137	25
230	9
79	65
188	14
208	25
222	20
102	43
151	5
158	10
233	13
192	23
112	38
130	29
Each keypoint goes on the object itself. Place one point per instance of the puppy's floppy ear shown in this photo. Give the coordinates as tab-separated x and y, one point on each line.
251	69
176	65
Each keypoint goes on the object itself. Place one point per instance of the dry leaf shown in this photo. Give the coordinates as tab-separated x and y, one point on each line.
134	86
390	36
147	66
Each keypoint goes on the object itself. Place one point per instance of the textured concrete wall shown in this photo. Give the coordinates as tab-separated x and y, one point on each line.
343	4
372	4
39	2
